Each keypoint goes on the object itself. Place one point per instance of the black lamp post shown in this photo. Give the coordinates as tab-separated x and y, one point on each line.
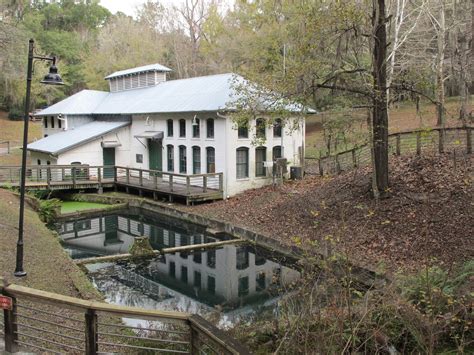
53	78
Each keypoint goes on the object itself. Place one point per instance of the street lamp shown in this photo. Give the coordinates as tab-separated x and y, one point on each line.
52	78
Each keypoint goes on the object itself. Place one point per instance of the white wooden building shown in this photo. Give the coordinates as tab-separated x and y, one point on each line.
181	126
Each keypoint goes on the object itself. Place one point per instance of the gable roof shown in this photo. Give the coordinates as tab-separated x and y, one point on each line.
142	69
199	94
66	140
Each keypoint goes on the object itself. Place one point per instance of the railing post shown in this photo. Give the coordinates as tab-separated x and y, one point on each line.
187	185
48	177
73	170
127	171
468	140
155	180
418	143
398	142
92	345
221	182
99	175
11	334
204	183
140	177
63	174
171	183
115	174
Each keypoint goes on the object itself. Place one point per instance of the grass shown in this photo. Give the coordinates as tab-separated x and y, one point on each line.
48	266
74	206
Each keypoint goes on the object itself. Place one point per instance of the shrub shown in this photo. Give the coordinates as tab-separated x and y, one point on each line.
49	210
15	114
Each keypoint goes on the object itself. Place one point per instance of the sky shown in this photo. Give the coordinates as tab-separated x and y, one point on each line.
128	6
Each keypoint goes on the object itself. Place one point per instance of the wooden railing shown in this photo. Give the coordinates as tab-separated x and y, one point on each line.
454	139
160	180
52	323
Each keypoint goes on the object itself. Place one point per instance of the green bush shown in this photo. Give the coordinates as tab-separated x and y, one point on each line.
49	210
15	114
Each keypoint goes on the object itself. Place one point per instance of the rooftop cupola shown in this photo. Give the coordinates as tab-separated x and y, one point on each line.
136	78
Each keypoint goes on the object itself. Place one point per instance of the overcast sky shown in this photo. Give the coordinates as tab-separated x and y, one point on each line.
128	6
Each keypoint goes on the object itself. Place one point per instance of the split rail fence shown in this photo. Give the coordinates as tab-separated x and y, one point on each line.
436	140
46	322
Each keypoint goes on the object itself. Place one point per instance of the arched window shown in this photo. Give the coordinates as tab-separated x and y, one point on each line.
196	128
260	158
242	163
196	160
210	127
260	128
276	152
211	160
277	128
182	128
169	126
182	159
170	155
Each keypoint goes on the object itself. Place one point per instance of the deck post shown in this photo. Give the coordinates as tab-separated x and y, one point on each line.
11	334
63	174
155	180
127	171
48	177
99	176
221	182
188	181
171	183
204	185
140	177
73	170
92	345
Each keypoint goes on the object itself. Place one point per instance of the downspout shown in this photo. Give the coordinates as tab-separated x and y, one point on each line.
225	152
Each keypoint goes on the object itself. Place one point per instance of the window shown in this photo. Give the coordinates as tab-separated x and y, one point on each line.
39	161
197	279
60	123
260	282
172	269
196	126
260	128
196	160
243	286
243	130
182	159
170	154
260	157
277	128
211	160
211	284
182	128
210	128
242	258
139	158
197	257
45	122
184	274
52	121
211	258
242	163
169	128
276	152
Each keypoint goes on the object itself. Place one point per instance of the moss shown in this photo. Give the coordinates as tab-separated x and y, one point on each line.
141	247
75	206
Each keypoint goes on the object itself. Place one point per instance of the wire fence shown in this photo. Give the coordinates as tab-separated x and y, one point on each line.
457	140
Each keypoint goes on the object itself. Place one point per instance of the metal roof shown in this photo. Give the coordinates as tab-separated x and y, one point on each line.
200	94
142	69
82	103
66	140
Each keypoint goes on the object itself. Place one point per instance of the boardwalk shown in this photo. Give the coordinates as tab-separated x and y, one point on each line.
191	188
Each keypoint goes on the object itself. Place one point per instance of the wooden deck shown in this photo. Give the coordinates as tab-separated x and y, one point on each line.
191	188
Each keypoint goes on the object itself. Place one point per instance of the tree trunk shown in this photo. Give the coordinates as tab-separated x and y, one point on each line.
380	116
440	67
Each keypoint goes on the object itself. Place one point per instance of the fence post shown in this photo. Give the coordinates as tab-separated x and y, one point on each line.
398	144
354	158
468	140
338	165
92	345
11	334
418	143
320	166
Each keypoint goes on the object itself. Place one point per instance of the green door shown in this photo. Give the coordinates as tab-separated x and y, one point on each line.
109	160
155	155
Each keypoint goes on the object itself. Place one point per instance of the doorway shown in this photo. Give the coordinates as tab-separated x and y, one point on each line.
109	160
155	154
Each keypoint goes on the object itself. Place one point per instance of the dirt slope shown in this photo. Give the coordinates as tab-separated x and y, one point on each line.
428	218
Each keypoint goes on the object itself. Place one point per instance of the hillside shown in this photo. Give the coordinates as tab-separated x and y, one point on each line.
429	216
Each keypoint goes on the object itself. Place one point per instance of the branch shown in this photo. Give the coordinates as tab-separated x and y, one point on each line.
344	88
410	89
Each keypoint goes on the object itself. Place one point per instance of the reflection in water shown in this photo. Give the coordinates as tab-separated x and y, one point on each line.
233	280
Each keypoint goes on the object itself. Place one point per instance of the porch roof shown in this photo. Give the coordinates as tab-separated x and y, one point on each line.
66	140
